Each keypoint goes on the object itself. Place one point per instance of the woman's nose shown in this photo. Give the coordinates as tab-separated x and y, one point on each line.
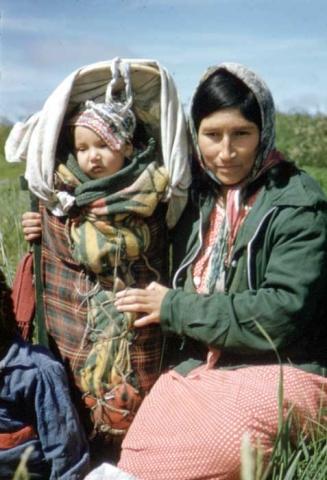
226	152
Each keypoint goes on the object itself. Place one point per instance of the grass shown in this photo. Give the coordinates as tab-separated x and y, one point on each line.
14	202
298	453
8	171
299	457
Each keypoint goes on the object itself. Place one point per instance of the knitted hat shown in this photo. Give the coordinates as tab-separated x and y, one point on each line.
113	122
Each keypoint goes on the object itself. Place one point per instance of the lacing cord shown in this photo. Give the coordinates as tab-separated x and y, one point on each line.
120	69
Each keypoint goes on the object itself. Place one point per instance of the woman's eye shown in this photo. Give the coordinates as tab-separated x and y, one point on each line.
242	133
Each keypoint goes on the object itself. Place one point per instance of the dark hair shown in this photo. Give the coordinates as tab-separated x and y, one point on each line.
224	90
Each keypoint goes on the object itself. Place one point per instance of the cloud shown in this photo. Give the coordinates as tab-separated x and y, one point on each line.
63	53
32	25
137	4
43	42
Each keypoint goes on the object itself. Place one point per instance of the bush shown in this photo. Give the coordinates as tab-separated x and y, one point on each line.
8	170
303	138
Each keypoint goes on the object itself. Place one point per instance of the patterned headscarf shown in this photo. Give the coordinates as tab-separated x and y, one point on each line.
113	122
265	102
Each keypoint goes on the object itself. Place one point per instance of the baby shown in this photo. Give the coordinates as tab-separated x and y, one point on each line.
125	190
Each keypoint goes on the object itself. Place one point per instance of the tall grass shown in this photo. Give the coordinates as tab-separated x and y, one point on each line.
13	202
300	447
297	455
8	170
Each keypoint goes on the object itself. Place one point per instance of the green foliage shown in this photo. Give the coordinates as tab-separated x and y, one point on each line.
319	173
8	170
303	138
297	456
4	130
13	202
300	447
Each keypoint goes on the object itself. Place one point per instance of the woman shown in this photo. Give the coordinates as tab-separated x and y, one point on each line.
248	294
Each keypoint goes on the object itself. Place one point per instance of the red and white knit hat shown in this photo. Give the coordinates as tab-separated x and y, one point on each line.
112	122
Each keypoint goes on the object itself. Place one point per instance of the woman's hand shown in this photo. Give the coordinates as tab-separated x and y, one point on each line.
32	226
146	301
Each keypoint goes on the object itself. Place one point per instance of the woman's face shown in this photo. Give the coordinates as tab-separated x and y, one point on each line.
228	144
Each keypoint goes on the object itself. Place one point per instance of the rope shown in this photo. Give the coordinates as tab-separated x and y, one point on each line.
120	70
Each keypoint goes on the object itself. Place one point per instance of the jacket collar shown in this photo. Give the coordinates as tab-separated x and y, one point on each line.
301	191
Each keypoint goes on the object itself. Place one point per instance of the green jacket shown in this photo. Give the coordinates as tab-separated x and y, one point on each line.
275	283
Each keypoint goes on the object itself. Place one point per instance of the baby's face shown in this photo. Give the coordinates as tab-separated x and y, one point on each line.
93	155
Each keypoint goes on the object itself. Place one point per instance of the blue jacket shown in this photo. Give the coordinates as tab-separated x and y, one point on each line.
34	391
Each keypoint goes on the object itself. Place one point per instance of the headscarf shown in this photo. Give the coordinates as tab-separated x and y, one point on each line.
266	105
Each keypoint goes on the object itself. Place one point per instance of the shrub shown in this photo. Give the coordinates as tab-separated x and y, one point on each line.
303	138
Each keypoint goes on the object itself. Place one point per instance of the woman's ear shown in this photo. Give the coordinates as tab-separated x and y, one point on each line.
128	149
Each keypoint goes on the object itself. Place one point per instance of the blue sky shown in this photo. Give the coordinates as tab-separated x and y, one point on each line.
43	41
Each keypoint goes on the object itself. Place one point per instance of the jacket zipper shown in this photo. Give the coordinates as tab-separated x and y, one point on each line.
250	246
187	262
232	262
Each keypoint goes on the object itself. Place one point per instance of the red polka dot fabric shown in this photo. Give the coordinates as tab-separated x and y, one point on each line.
191	428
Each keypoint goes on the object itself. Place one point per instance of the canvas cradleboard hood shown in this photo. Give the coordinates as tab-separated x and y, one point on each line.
155	102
